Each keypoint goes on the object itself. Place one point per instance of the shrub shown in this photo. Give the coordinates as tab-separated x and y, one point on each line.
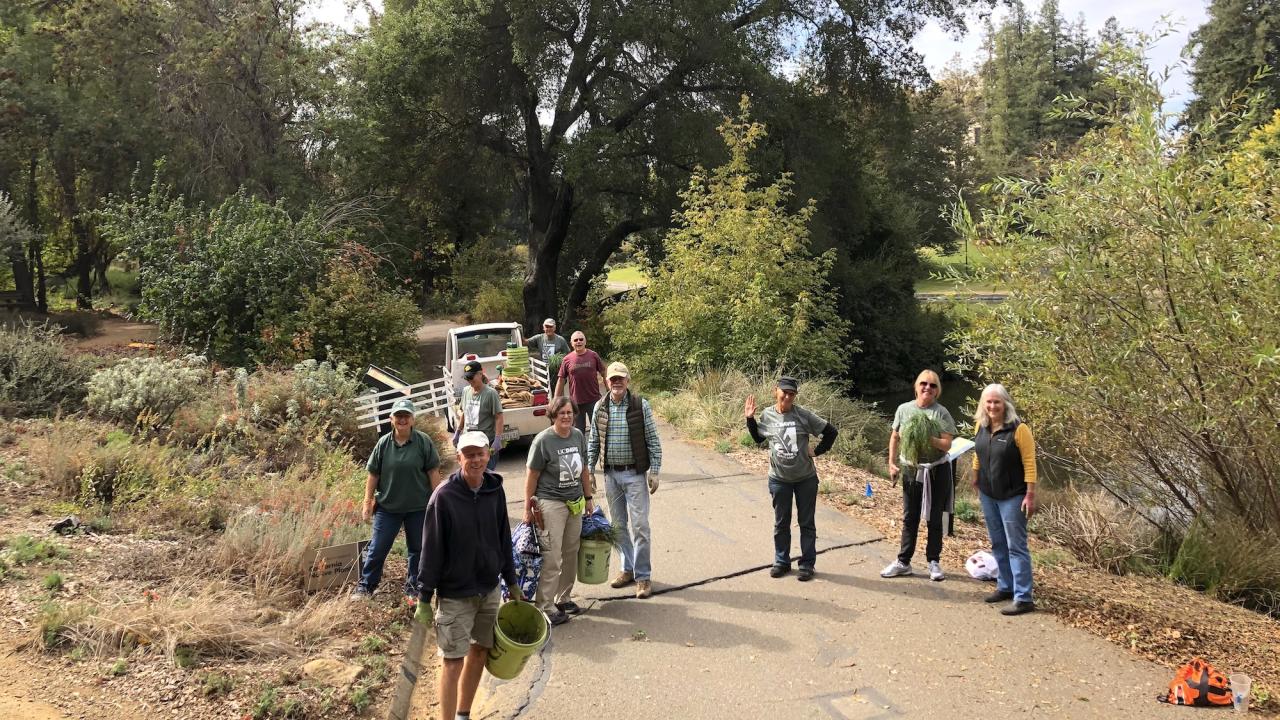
710	406
37	376
146	390
119	472
739	286
353	316
1097	529
24	550
1223	557
501	301
81	322
61	453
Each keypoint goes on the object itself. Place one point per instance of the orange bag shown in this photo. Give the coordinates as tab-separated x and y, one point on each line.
1199	684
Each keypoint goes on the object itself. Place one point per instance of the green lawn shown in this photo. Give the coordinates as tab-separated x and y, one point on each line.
978	258
628	275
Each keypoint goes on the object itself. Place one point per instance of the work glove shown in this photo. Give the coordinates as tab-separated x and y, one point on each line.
653	481
497	444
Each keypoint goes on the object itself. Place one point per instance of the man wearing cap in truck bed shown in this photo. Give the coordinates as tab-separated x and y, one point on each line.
481	409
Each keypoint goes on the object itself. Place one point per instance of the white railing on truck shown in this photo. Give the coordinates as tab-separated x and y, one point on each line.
431	397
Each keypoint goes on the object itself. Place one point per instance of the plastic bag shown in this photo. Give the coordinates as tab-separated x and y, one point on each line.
596	522
982	565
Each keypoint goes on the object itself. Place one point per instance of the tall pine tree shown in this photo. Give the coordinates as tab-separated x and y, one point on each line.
1241	37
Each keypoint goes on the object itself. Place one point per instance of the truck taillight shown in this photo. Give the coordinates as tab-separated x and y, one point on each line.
503	353
471	356
540	412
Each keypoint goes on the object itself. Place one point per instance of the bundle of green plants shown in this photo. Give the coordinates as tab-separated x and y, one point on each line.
915	435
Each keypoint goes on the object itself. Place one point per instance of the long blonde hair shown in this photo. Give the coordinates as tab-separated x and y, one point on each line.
980	417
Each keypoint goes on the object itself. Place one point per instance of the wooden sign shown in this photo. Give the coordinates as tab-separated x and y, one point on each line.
334	565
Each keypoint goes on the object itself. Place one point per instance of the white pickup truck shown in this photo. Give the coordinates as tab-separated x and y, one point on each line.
487	343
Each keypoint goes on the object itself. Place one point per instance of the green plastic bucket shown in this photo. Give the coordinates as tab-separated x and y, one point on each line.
593	561
517	622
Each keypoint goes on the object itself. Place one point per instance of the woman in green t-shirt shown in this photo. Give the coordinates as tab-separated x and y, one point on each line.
556	486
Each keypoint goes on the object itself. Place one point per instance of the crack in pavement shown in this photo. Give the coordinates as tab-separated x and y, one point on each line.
539	681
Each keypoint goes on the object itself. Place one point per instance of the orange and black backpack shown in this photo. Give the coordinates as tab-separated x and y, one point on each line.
1200	684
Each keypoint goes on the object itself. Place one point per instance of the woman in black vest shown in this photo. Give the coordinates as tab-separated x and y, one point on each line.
1004	474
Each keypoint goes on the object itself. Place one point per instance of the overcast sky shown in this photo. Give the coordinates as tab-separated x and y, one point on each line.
939	48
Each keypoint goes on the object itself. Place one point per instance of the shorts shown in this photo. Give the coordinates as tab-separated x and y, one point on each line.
463	621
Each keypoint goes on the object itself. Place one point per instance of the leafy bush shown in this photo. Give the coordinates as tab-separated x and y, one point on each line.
82	322
354	317
1142	273
37	376
135	390
501	301
739	286
119	472
224	278
710	406
1223	557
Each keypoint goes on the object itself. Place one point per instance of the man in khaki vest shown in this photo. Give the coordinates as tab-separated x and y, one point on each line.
624	438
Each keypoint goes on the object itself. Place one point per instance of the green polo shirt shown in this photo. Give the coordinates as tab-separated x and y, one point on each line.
403	484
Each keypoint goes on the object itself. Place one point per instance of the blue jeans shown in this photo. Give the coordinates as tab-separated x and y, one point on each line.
628	494
386	525
1007	527
805	493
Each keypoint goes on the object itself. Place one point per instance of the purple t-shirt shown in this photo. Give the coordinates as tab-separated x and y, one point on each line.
580	371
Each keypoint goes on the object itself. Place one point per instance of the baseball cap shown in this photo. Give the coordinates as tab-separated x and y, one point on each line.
471	369
788	383
549	321
404	405
473	438
617	369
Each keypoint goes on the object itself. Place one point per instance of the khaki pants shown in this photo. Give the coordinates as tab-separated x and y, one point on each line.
560	536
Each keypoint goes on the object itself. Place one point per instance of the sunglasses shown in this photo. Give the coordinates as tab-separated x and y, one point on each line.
929	385
580	340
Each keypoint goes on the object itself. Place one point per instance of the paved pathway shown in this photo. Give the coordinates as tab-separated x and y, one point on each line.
720	637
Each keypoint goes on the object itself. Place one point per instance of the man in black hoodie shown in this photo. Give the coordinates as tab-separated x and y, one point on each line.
466	545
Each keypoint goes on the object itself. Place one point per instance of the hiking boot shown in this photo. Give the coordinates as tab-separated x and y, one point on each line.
643	589
805	574
569	607
558	618
1018	608
361	593
624	579
778	571
935	571
896	568
998	596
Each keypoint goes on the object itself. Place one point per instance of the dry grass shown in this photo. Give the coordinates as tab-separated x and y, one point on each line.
61	453
215	621
1098	530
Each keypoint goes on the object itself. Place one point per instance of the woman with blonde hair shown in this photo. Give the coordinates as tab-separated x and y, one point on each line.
1004	474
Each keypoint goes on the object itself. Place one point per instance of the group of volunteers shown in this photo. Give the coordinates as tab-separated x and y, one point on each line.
458	534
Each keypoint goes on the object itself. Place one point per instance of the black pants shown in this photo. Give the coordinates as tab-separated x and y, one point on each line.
912	501
580	413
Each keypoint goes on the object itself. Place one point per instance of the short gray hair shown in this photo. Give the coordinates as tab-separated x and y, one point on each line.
1010	412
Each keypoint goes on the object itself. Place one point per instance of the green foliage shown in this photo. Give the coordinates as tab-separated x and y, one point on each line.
54	622
1142	274
739	287
37	375
498	302
265	706
1234	563
354	316
360	697
146	390
916	433
52	582
226	279
1240	39
372	644
118	668
216	685
25	550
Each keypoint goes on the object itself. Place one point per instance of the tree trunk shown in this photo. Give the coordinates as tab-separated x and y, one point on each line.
35	251
608	245
65	170
550	210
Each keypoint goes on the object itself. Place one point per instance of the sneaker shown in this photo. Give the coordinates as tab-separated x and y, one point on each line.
569	607
805	574
778	571
1018	608
998	596
935	571
895	569
361	593
558	618
643	589
624	579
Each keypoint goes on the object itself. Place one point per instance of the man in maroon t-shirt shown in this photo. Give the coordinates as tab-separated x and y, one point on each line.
578	372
